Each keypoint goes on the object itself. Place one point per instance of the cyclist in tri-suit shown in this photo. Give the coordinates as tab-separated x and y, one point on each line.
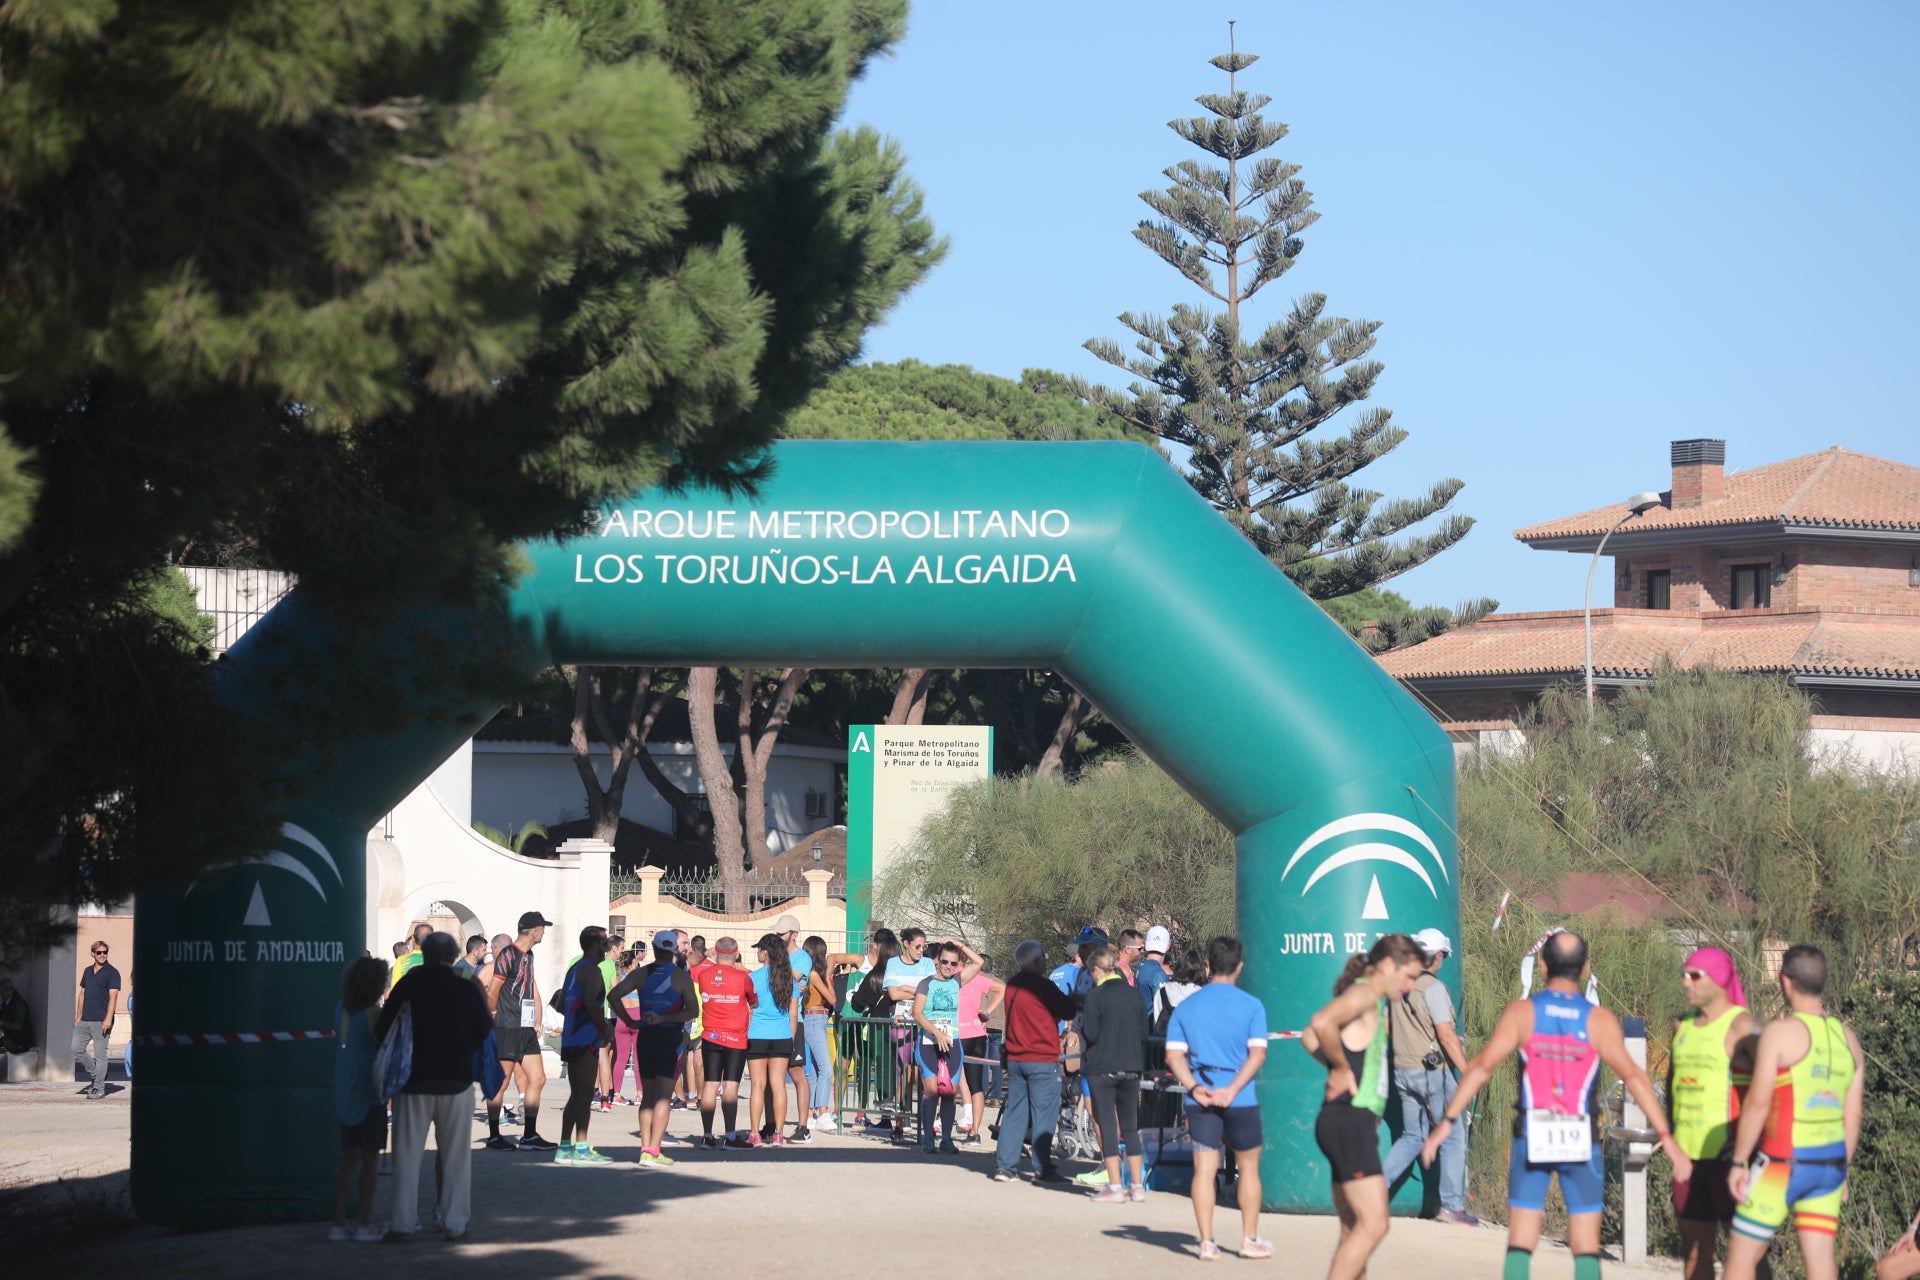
1561	1041
1710	1067
1349	1035
1802	1112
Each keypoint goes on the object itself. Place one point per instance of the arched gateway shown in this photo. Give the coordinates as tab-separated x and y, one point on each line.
1095	559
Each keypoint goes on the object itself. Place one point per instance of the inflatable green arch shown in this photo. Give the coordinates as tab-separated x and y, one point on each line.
1095	559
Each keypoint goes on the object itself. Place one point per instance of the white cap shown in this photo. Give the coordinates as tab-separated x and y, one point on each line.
1433	942
1158	939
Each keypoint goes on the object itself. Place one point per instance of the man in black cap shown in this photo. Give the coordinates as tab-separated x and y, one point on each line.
515	999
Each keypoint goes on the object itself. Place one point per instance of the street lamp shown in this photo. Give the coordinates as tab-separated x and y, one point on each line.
1637	504
817	851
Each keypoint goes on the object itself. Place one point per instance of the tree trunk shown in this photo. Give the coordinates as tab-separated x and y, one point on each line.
762	717
683	804
729	850
605	803
1056	751
910	697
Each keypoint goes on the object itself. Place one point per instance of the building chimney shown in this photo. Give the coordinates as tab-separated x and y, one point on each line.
1699	472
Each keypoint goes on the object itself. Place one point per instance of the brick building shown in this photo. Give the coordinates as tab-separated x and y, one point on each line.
1805	567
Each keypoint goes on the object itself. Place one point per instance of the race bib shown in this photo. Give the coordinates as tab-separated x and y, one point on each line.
1553	1138
529	1014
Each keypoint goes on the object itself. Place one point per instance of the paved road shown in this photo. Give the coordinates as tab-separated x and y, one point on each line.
802	1212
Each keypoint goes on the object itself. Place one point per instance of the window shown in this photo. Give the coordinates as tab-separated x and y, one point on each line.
816	803
682	829
1659	588
1752	586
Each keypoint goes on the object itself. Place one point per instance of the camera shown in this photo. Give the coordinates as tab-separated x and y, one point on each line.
1433	1060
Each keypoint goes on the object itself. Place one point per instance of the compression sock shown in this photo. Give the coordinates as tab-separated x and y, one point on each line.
1586	1266
730	1114
529	1122
1519	1264
493	1121
946	1117
926	1120
706	1119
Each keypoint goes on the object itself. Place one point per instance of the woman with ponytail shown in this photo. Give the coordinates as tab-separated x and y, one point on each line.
770	1035
1349	1035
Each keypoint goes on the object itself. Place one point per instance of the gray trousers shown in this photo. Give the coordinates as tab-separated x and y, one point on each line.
85	1033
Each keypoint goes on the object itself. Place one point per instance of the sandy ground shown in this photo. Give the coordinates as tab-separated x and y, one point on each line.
840	1207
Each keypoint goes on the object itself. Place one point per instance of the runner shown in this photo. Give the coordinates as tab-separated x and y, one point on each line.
1809	1076
770	1035
626	1034
1216	1044
583	1002
667	1002
515	999
936	1011
693	1070
788	929
726	1002
1349	1036
1561	1040
1711	1065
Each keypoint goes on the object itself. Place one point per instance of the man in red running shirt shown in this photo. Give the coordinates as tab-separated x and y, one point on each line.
726	1004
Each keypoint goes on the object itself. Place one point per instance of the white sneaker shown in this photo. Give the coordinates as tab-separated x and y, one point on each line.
369	1235
338	1234
825	1123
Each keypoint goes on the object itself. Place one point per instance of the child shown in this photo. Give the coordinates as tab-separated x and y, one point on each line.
362	1116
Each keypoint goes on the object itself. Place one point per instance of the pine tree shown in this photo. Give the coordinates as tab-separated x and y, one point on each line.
1246	409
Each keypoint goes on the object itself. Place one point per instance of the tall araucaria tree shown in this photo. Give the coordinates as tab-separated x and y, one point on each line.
1245	405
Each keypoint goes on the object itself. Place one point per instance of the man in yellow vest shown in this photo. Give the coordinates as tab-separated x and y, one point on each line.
1802	1114
1711	1065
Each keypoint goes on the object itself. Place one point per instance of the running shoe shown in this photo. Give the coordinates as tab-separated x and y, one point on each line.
1005	1175
1110	1195
1458	1218
1255	1248
563	1154
606	1104
339	1235
369	1234
501	1144
1050	1175
534	1142
948	1149
1209	1251
776	1141
509	1116
710	1143
1137	1193
755	1141
825	1123
971	1138
738	1144
1092	1178
801	1137
587	1155
926	1148
654	1160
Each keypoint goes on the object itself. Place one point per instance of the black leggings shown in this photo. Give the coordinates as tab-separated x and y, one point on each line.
581	1071
1116	1110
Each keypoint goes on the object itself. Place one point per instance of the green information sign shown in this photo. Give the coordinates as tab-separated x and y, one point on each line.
897	777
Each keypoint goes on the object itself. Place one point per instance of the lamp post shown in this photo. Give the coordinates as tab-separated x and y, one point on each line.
817	851
1638	503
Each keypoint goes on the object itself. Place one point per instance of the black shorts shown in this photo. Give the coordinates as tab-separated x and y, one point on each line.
1238	1128
369	1135
516	1043
657	1052
1705	1196
723	1065
781	1048
799	1056
974	1047
1349	1137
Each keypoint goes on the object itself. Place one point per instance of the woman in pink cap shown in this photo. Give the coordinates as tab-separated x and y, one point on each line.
1711	1066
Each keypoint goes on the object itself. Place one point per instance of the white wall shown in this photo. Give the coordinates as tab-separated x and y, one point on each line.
1881	750
515	783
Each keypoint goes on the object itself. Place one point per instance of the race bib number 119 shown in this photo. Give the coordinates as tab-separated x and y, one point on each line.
1553	1138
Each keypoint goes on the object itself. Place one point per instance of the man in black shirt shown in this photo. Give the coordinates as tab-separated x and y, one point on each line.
93	1010
450	1021
514	997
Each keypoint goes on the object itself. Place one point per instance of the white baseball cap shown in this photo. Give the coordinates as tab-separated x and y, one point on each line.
1433	942
1158	939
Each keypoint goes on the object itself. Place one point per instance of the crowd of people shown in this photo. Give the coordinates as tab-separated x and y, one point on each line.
922	1034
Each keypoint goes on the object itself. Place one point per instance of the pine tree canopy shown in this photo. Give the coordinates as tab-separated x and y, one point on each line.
382	288
1246	405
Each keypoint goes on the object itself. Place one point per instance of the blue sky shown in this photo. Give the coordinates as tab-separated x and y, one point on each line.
1588	230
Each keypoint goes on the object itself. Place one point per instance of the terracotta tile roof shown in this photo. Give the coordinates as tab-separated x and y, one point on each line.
1632	642
1632	898
1835	487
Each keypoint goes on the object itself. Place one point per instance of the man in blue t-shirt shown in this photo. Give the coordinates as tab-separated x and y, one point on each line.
1216	1044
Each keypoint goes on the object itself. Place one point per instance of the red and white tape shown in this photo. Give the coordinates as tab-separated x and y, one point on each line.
232	1037
1285	1035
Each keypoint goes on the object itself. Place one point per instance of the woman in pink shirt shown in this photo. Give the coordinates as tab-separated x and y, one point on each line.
976	997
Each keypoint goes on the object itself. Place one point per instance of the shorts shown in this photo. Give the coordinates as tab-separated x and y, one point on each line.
928	1055
1704	1197
781	1048
1810	1187
516	1043
370	1134
1238	1128
975	1047
1349	1137
574	1052
656	1050
1582	1184
723	1065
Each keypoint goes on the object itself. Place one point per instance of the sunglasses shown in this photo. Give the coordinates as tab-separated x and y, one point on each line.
1693	975
99	951
949	964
